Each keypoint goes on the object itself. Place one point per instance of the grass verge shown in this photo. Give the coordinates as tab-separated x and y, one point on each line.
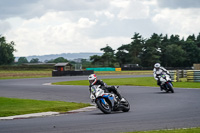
15	106
140	81
24	74
137	72
10	74
187	130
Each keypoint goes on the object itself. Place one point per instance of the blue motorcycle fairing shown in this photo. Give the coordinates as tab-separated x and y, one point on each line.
111	99
102	100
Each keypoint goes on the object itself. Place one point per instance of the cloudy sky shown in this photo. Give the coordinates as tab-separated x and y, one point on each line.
40	27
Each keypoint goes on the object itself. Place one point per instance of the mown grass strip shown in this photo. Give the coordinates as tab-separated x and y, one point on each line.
140	81
24	74
15	106
137	72
187	130
11	74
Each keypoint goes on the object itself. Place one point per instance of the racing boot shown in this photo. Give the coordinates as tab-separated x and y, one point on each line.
161	88
122	100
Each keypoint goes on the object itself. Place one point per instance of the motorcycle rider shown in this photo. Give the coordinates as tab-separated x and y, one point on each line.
156	73
93	81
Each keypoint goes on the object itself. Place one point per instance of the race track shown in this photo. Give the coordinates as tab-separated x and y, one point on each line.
150	108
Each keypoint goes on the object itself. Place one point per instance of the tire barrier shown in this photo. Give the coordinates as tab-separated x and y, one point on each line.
193	75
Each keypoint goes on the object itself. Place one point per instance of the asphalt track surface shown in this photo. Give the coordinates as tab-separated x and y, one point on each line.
151	109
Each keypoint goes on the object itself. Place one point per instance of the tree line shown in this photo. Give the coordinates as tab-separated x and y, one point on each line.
23	60
170	51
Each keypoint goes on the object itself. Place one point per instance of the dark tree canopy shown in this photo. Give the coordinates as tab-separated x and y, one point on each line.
6	51
22	60
34	60
57	60
170	51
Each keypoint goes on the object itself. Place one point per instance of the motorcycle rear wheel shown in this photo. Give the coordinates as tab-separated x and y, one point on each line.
104	108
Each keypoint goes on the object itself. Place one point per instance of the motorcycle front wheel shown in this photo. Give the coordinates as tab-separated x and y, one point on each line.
126	106
104	107
170	86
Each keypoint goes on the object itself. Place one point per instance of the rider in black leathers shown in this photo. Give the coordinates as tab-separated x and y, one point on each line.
93	81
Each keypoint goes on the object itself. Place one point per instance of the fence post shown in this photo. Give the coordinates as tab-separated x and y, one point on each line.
173	75
178	75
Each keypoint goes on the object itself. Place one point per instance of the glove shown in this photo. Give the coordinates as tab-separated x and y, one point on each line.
92	96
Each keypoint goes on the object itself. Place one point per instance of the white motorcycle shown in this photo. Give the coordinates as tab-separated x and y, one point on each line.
108	102
166	82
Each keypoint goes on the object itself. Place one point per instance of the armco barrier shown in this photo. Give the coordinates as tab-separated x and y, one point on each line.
193	75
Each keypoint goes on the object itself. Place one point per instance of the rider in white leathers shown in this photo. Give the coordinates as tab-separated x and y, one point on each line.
157	71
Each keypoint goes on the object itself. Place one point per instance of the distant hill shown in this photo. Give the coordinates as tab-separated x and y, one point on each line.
68	56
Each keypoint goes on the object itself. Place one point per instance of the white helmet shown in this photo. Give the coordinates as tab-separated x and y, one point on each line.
92	79
157	65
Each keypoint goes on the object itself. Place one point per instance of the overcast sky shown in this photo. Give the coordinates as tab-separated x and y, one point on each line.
40	27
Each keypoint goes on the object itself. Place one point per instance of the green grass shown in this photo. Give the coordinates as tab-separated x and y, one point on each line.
22	77
15	106
11	74
78	82
141	81
138	72
188	130
5	74
116	81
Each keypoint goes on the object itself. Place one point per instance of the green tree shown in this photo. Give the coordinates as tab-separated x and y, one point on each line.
164	43
198	40
135	50
60	59
34	60
176	56
108	57
22	60
151	51
96	59
6	51
57	60
122	55
192	51
174	39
